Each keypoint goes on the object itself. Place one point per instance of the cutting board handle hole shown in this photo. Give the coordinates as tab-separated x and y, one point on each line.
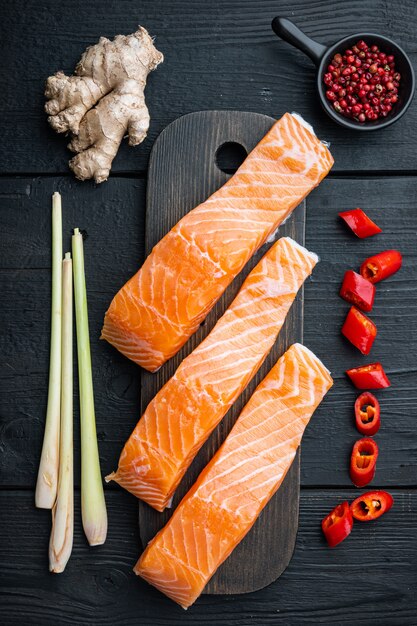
230	156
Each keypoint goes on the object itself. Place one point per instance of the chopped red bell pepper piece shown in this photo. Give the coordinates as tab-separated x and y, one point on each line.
363	461
370	376
382	265
338	524
358	290
371	505
360	223
367	414
360	330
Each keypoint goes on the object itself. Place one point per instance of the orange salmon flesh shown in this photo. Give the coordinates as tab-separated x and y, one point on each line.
185	411
235	486
163	304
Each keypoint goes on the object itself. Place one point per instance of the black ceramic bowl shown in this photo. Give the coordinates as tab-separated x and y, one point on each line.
322	55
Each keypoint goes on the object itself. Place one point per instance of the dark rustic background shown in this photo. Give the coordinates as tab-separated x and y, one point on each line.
218	55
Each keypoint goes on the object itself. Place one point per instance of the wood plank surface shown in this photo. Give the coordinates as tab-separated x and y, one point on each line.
114	223
113	215
183	172
328	442
369	579
218	55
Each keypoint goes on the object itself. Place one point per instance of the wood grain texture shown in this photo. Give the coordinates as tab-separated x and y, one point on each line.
113	250
369	579
113	215
329	440
218	55
182	173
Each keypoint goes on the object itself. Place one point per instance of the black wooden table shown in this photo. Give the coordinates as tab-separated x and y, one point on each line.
218	55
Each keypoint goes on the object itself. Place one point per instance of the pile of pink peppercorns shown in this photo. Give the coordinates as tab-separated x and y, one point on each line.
362	83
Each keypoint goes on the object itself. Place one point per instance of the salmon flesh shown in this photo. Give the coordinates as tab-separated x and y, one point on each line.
238	482
189	406
164	303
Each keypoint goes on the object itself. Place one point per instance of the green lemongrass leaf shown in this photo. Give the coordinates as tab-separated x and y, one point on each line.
47	482
60	544
93	505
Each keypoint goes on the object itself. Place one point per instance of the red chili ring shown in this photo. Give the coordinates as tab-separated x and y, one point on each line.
363	461
382	265
367	414
371	505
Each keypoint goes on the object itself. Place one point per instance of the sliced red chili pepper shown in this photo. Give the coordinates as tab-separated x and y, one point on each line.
371	505
363	461
338	524
360	330
358	290
370	376
367	414
360	223
382	265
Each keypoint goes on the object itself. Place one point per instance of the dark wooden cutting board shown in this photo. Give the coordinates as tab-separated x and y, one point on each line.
183	171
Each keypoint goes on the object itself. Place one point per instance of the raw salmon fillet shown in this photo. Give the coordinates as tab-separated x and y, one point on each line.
184	412
163	304
235	486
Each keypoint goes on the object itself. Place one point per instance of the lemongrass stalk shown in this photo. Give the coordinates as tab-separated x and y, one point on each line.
46	486
60	544
93	505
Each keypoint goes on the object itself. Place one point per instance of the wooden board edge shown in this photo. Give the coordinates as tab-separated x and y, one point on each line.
220	590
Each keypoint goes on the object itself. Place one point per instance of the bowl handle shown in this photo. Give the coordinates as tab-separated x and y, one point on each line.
288	31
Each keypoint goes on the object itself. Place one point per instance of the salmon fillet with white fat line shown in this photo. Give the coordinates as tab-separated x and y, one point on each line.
184	412
235	486
163	304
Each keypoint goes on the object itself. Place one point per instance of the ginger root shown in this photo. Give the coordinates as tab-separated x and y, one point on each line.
103	101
